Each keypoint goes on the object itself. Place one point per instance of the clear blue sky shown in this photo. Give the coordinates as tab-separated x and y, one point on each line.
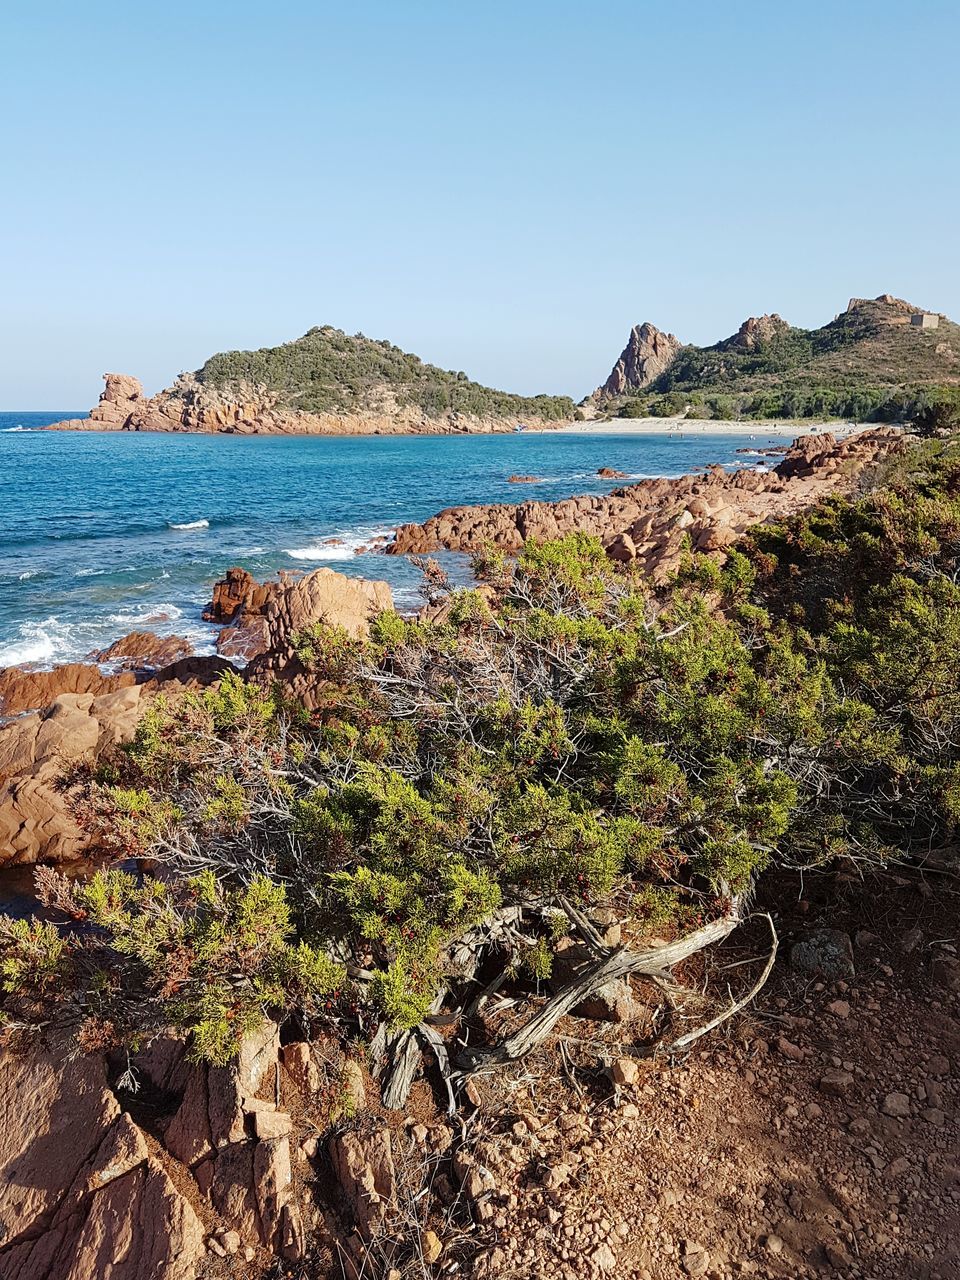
502	187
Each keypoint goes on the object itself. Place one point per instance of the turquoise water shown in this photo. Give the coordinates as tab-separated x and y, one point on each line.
89	543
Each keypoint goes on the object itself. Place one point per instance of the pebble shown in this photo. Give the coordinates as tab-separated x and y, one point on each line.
604	1259
625	1071
836	1082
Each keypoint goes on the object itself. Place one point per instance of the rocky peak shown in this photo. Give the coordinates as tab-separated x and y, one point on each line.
755	330
647	354
885	305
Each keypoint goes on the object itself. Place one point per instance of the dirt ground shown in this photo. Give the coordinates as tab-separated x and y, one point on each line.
815	1135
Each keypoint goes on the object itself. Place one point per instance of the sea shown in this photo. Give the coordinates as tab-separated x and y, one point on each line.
102	533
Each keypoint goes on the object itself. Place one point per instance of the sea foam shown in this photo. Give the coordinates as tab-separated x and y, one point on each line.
338	546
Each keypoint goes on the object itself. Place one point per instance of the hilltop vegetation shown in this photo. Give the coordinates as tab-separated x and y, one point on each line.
867	364
329	371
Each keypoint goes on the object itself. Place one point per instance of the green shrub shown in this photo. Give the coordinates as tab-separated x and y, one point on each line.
567	740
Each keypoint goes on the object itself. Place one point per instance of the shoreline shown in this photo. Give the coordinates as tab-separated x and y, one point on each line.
683	428
680	429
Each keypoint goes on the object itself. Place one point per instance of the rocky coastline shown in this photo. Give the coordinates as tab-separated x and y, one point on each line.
651	522
61	717
189	406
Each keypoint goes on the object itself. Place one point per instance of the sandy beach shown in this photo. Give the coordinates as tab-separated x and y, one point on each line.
775	429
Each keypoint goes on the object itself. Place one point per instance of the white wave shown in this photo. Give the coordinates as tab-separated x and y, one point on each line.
189	524
39	648
53	641
339	546
320	553
149	613
22	577
38	643
89	573
7	430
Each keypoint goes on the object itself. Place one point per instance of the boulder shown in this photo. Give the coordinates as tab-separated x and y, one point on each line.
266	617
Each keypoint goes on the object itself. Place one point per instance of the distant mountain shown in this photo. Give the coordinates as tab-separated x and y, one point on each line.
878	358
326	382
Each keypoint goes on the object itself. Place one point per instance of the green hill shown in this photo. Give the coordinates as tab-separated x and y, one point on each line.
328	371
871	361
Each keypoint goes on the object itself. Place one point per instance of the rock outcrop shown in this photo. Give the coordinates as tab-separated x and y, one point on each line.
648	353
23	689
36	750
61	719
263	618
86	1191
81	1195
248	409
649	521
143	651
120	401
754	331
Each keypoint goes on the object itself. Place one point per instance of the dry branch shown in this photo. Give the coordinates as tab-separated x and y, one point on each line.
616	964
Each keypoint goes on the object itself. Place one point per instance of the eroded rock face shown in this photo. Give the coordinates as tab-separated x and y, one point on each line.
80	1193
79	714
22	689
647	522
648	353
36	823
85	1192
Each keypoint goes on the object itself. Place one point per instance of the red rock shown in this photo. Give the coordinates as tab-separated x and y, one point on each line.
80	1195
267	616
36	822
716	507
142	650
22	689
648	353
364	1169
